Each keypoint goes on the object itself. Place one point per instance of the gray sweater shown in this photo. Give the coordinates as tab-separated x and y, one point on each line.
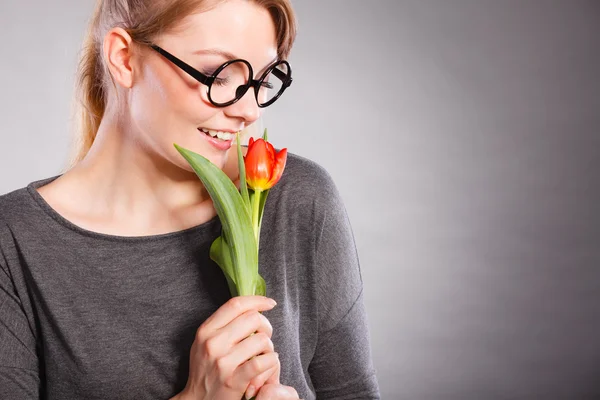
85	315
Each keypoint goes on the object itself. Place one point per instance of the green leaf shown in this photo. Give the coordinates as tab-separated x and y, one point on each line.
265	136
221	254
242	168
235	219
261	287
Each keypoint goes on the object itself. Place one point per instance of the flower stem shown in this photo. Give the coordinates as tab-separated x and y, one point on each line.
255	214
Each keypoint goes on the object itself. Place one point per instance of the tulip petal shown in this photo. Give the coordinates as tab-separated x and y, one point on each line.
278	167
271	153
258	166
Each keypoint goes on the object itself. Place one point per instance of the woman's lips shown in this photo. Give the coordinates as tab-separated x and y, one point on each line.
220	144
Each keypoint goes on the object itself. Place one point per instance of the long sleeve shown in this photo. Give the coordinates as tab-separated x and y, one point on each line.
342	367
19	378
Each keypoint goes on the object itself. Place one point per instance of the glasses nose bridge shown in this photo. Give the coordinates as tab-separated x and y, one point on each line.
244	107
256	84
242	91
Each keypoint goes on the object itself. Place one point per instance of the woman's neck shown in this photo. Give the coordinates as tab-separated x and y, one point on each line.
130	190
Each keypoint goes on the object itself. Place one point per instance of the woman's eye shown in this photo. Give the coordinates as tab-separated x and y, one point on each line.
209	71
221	81
267	85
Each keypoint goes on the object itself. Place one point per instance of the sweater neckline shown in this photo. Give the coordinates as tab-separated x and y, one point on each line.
32	187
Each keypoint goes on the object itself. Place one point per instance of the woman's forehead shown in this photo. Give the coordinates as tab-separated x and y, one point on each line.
238	27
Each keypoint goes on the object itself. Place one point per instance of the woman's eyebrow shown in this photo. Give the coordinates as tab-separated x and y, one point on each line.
229	56
218	52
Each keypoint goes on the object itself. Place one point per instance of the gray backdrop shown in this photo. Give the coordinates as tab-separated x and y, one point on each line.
464	138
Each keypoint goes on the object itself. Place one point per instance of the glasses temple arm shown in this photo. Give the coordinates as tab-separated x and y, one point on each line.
184	66
282	75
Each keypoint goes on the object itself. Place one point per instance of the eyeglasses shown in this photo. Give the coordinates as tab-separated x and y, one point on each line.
231	81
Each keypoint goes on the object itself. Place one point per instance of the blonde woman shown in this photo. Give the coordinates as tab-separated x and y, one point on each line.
106	287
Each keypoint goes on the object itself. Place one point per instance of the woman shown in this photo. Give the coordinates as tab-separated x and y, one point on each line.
107	287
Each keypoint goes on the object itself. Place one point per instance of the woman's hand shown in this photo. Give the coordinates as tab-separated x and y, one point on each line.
233	351
272	389
277	392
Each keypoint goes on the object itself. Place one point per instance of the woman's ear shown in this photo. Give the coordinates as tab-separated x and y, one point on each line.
118	53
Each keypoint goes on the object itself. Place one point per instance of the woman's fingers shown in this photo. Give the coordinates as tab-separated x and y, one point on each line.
245	325
250	347
232	347
250	324
274	378
271	376
235	307
255	367
277	392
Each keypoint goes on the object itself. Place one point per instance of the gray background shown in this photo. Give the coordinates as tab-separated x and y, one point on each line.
464	138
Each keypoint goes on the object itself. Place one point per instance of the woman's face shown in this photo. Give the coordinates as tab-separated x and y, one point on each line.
169	106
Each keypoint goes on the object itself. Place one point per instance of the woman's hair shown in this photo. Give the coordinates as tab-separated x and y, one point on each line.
144	20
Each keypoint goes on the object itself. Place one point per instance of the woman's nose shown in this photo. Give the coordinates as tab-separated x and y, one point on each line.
245	108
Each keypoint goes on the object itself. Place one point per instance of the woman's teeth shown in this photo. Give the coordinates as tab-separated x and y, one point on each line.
218	134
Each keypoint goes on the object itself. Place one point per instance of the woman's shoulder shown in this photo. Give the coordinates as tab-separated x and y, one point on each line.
297	164
17	205
12	202
306	190
306	178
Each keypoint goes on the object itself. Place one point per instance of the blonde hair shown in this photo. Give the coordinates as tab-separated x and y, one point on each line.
144	20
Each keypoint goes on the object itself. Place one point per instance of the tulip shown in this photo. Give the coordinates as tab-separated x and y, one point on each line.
264	167
236	250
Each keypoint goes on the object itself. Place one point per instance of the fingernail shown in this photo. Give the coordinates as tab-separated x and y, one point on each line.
250	392
273	302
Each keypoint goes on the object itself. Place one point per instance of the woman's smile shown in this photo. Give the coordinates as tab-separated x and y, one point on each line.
222	140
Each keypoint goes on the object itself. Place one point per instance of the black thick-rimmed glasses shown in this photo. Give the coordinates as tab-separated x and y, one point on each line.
231	80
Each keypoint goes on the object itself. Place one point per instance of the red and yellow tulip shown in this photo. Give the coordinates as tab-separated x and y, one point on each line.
264	166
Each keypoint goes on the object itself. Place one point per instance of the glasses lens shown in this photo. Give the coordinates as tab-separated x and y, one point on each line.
226	86
273	84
